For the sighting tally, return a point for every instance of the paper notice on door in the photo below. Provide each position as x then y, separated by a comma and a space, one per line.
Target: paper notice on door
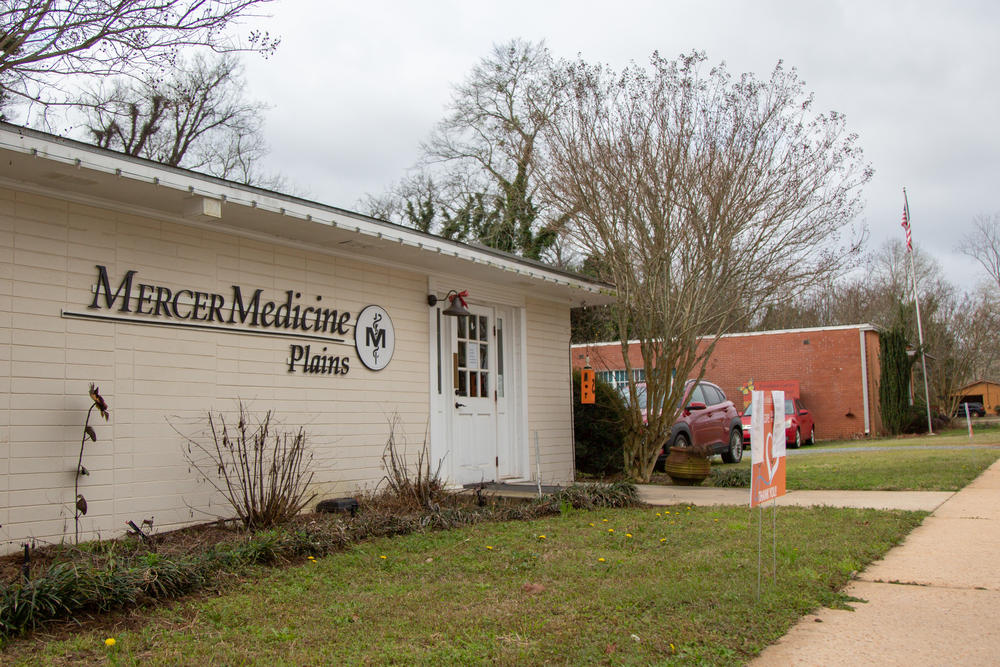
472, 356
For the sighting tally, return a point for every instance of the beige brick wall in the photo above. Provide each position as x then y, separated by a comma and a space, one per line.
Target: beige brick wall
158, 379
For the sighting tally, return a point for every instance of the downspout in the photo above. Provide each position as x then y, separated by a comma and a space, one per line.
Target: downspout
864, 381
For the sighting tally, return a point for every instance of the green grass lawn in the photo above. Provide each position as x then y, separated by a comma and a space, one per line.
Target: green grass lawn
665, 585
983, 433
904, 465
895, 470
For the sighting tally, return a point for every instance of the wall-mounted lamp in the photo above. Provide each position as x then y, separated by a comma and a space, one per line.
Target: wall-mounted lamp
457, 307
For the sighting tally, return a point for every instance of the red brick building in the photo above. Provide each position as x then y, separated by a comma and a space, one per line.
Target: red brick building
837, 369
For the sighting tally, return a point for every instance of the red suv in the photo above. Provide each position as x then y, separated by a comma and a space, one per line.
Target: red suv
708, 418
799, 425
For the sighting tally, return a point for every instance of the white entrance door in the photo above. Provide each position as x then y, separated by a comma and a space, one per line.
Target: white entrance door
505, 393
474, 422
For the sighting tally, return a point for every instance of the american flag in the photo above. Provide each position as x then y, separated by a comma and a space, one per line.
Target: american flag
906, 226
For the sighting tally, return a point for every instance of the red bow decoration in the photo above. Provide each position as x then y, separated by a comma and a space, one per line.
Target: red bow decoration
460, 296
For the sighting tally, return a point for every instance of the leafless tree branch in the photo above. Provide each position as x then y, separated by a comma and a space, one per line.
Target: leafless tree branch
702, 197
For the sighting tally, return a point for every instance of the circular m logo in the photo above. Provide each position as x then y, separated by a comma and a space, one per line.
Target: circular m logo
374, 337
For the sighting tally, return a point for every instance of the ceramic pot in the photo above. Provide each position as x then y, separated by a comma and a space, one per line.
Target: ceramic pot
686, 468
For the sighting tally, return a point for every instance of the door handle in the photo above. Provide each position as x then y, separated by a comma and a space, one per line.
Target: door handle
459, 405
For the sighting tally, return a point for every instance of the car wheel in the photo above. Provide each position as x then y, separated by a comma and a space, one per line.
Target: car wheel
798, 439
812, 436
681, 441
735, 452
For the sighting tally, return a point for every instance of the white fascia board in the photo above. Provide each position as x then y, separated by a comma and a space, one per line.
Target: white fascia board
71, 152
842, 327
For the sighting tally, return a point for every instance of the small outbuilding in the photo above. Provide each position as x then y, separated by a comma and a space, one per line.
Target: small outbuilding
178, 293
986, 392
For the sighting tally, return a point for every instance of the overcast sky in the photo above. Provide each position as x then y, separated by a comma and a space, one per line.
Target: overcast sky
355, 87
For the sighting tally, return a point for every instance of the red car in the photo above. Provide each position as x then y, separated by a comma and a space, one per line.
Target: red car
710, 418
798, 422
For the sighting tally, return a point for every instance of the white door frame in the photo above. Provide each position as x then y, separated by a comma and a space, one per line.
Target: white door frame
442, 400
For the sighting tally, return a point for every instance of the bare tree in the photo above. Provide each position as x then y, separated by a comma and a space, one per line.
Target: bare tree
198, 118
870, 294
484, 157
704, 197
961, 338
983, 244
959, 329
45, 42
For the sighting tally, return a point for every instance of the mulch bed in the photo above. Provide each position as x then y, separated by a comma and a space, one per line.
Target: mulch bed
171, 543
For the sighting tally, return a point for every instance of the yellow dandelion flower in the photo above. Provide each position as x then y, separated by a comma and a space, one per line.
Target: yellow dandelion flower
382, 557
658, 514
663, 539
541, 537
604, 520
591, 523
716, 521
600, 560
611, 530
489, 547
628, 534
110, 641
668, 512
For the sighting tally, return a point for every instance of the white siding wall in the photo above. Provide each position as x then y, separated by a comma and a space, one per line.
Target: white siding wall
154, 377
550, 411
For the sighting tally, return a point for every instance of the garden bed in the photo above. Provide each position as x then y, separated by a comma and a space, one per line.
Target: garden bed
65, 581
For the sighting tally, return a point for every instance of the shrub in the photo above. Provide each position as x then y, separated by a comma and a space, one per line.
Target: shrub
595, 496
599, 429
261, 473
731, 477
894, 380
916, 420
420, 488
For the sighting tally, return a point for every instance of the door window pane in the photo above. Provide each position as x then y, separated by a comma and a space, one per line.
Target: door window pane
472, 350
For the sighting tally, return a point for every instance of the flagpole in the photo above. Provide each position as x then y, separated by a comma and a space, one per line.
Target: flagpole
916, 301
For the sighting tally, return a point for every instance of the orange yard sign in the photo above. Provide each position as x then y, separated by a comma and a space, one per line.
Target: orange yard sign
587, 386
767, 446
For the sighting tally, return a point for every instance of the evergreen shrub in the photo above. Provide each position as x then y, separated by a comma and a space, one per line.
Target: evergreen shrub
599, 429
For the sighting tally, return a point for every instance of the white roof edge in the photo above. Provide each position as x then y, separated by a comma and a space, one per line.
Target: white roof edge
70, 151
839, 327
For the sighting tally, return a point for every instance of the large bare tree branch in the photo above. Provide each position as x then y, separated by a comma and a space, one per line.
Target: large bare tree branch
703, 197
983, 245
197, 118
485, 157
44, 41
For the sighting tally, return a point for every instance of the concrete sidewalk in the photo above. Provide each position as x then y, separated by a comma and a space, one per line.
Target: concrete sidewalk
934, 600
